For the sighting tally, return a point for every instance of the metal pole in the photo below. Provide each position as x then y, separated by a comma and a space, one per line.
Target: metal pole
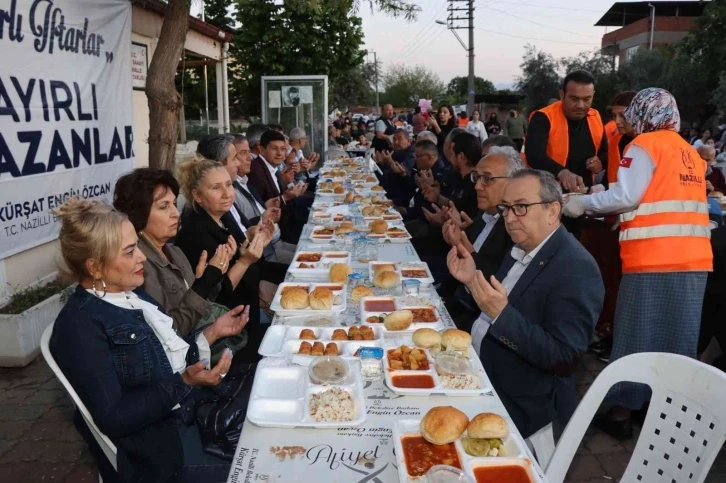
470, 98
652, 24
206, 85
378, 101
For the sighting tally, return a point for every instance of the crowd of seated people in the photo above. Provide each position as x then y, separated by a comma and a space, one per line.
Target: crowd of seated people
168, 300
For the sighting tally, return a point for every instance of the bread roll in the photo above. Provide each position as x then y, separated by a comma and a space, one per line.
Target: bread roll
488, 426
318, 349
379, 226
359, 292
386, 279
349, 197
344, 228
427, 339
367, 210
339, 272
378, 211
305, 348
307, 334
331, 349
339, 334
321, 299
357, 198
383, 267
398, 320
443, 425
295, 298
338, 190
456, 340
377, 188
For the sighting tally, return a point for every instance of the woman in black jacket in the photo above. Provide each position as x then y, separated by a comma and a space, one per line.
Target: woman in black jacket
207, 222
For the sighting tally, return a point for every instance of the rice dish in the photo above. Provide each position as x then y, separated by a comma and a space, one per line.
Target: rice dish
460, 381
334, 404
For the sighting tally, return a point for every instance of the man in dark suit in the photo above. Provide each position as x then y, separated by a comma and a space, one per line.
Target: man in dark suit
537, 322
486, 238
265, 177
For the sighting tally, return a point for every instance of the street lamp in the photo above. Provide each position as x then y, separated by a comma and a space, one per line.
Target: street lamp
470, 52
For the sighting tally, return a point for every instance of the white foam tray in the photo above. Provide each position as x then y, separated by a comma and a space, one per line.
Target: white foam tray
337, 308
280, 397
438, 325
515, 453
331, 238
322, 268
425, 281
438, 389
284, 341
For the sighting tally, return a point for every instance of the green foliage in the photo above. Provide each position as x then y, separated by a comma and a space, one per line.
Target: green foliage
539, 80
29, 297
218, 13
458, 88
296, 38
706, 43
405, 85
355, 87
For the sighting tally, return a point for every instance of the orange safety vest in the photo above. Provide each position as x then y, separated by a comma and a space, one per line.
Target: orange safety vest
558, 143
614, 154
669, 230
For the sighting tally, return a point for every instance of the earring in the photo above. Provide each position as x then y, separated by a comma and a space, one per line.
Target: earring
93, 287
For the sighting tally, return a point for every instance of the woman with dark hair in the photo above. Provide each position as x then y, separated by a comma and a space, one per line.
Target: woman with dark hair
442, 124
492, 125
148, 198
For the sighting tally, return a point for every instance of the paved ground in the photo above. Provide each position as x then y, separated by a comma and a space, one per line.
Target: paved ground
39, 444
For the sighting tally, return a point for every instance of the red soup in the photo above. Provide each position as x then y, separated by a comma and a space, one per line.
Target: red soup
385, 305
421, 455
497, 474
416, 381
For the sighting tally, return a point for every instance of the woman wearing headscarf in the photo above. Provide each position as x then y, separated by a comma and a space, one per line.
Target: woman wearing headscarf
664, 245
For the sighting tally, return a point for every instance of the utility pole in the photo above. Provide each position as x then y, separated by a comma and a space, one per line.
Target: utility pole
453, 23
378, 101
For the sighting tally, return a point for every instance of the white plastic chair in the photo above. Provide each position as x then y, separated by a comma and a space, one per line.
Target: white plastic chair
109, 449
683, 430
543, 444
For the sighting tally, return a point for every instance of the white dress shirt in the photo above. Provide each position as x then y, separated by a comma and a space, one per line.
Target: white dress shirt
490, 221
521, 261
260, 209
634, 175
174, 346
273, 173
238, 219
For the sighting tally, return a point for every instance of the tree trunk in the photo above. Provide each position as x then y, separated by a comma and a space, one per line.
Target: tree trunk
164, 100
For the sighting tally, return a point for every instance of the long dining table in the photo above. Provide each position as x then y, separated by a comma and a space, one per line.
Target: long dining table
360, 454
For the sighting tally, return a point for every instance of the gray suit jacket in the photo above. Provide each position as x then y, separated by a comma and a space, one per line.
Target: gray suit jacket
534, 347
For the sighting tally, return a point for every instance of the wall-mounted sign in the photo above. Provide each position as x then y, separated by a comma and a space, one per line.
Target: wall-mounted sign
139, 65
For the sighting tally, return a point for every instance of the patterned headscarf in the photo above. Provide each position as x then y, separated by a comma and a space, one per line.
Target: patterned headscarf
653, 109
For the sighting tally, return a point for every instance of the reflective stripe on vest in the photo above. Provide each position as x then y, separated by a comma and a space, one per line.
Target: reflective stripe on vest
661, 231
674, 206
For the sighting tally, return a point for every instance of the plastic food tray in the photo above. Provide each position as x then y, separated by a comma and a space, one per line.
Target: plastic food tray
477, 368
322, 268
425, 281
316, 238
514, 453
281, 397
404, 237
284, 341
337, 308
364, 314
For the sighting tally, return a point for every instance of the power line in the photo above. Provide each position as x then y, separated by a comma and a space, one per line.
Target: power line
543, 25
535, 38
424, 29
553, 7
426, 43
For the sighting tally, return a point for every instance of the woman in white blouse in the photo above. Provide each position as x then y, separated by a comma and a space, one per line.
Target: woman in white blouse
124, 359
476, 127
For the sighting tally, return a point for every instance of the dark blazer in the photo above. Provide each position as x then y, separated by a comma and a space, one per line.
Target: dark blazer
261, 179
117, 365
534, 346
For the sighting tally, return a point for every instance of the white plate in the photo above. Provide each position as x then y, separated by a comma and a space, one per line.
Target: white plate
364, 314
321, 269
337, 308
284, 341
281, 394
478, 371
513, 446
332, 238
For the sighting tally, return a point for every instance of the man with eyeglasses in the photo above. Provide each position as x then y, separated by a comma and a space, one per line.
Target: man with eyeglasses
487, 238
539, 311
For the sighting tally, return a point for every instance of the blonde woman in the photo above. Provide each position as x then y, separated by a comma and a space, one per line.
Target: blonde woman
122, 356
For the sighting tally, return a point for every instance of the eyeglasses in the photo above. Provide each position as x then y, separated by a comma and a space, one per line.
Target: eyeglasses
484, 178
520, 209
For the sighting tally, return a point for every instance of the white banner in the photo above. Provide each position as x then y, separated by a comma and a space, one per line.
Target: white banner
66, 111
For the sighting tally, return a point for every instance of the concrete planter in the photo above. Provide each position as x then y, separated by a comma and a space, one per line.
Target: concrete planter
20, 333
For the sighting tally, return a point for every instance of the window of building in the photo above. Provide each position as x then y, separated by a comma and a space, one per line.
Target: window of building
630, 52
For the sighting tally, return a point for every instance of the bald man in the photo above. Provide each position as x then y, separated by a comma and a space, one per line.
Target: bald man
384, 130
